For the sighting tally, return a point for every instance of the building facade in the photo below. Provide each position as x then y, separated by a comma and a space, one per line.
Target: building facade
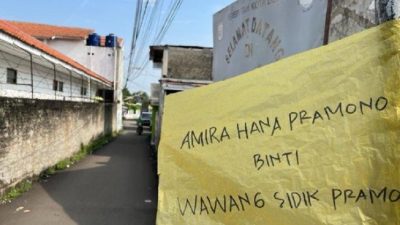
183, 62
51, 101
252, 33
41, 61
31, 69
182, 68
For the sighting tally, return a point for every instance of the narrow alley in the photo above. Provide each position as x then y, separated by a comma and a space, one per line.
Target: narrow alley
214, 112
115, 185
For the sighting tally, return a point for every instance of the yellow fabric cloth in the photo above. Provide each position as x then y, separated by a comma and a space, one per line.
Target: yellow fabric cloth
311, 139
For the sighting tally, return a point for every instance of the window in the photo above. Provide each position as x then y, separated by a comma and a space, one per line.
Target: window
58, 86
83, 91
11, 76
55, 85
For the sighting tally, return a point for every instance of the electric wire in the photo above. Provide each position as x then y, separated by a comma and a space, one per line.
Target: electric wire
155, 25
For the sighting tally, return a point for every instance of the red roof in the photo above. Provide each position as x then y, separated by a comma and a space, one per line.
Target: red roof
8, 28
45, 31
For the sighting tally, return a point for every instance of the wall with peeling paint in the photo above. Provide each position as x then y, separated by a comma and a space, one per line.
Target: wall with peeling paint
352, 16
36, 134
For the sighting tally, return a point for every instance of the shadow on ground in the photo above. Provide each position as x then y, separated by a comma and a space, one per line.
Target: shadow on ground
116, 185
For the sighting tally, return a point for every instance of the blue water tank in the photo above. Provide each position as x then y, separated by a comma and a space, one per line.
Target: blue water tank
111, 41
93, 40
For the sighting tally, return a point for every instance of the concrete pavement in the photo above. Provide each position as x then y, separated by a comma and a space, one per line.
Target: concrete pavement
116, 185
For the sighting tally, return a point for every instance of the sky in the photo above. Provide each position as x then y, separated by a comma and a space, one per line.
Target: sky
192, 24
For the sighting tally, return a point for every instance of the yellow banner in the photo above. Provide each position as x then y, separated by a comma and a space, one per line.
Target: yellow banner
312, 139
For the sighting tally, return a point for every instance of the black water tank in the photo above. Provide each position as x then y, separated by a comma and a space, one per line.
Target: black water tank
93, 40
111, 41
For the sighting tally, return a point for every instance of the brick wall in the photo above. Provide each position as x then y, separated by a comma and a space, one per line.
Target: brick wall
36, 134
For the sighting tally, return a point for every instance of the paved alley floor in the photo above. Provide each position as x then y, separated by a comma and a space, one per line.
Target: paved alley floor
115, 185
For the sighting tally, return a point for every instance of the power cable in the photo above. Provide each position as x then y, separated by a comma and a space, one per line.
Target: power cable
140, 40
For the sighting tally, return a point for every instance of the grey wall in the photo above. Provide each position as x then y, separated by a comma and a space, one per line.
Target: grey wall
352, 16
189, 63
349, 17
36, 134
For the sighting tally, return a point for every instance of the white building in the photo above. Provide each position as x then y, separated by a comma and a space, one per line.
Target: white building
51, 62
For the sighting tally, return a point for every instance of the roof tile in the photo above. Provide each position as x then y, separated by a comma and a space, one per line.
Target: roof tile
10, 29
45, 31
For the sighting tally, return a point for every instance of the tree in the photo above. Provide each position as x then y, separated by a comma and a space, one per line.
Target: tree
126, 93
143, 98
140, 96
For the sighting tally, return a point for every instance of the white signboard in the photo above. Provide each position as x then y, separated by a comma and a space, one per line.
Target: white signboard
252, 33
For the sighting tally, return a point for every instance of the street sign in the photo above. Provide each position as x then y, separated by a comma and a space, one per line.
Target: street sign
251, 33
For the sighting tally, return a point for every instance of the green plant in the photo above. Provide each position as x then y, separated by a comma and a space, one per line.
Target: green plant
17, 190
84, 150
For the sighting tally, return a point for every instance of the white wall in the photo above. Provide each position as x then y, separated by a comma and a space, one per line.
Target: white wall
42, 81
118, 85
98, 59
105, 61
71, 48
